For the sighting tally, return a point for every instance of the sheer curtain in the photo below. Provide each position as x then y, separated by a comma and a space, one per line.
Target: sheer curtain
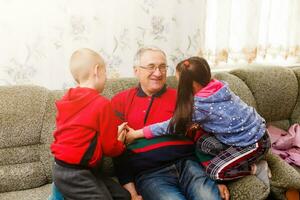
247, 31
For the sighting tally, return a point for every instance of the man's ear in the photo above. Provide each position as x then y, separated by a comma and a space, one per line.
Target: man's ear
135, 70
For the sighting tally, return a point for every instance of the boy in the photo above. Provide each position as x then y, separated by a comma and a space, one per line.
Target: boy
86, 128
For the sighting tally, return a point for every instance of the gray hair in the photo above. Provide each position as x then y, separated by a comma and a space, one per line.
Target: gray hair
141, 51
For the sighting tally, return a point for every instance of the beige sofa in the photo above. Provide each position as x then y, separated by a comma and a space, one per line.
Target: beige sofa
27, 115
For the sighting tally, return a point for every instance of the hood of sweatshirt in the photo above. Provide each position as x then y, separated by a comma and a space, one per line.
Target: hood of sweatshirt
74, 101
215, 91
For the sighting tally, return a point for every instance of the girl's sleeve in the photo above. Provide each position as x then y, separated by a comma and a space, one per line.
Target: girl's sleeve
157, 129
161, 128
199, 115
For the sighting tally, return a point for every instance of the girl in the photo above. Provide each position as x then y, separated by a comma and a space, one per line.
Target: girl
234, 135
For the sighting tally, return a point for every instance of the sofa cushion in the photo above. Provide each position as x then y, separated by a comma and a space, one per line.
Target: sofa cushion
40, 193
21, 176
238, 87
284, 176
283, 124
22, 110
18, 155
275, 90
248, 187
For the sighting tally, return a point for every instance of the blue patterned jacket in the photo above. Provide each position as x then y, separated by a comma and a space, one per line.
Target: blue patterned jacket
220, 112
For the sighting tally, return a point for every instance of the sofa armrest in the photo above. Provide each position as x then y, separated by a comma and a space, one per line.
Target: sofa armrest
284, 176
248, 187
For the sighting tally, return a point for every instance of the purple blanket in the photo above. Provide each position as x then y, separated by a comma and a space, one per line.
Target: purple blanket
286, 144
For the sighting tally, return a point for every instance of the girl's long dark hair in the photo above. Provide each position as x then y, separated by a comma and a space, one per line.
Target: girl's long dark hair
192, 69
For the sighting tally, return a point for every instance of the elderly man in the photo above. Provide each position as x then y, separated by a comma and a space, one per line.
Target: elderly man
163, 167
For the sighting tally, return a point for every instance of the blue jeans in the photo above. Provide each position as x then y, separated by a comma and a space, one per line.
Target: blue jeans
184, 180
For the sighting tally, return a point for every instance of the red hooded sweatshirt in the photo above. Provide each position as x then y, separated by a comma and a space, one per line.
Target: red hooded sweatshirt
86, 128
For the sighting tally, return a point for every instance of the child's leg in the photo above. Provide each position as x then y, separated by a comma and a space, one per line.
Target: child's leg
79, 184
261, 171
207, 147
209, 144
116, 190
235, 162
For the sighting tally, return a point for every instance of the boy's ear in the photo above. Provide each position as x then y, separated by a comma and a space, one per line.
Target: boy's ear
96, 69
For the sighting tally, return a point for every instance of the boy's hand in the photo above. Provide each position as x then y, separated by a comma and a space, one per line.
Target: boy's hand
122, 131
122, 136
122, 127
224, 192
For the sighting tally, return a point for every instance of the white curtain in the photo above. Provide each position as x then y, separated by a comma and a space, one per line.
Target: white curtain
246, 31
37, 37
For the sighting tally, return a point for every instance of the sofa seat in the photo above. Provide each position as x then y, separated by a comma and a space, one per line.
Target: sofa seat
40, 193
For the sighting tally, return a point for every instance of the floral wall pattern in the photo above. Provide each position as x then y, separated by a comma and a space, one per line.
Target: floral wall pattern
37, 37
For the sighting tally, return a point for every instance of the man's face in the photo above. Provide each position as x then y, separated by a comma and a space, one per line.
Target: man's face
152, 81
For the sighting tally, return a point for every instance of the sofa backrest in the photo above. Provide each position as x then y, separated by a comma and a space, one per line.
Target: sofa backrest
27, 118
273, 91
46, 138
295, 117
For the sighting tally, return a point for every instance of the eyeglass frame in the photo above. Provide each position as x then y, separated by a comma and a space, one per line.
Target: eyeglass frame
152, 68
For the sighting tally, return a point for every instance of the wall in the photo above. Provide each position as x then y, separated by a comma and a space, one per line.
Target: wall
37, 37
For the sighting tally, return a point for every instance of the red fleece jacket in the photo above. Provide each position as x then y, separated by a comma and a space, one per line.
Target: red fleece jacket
86, 128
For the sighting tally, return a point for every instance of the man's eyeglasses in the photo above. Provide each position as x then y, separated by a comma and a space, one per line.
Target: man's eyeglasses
152, 68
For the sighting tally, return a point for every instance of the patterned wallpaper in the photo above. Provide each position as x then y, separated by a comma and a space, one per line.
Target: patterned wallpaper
37, 37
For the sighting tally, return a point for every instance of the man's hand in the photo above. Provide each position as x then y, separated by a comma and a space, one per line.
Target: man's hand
130, 187
136, 197
133, 135
224, 192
